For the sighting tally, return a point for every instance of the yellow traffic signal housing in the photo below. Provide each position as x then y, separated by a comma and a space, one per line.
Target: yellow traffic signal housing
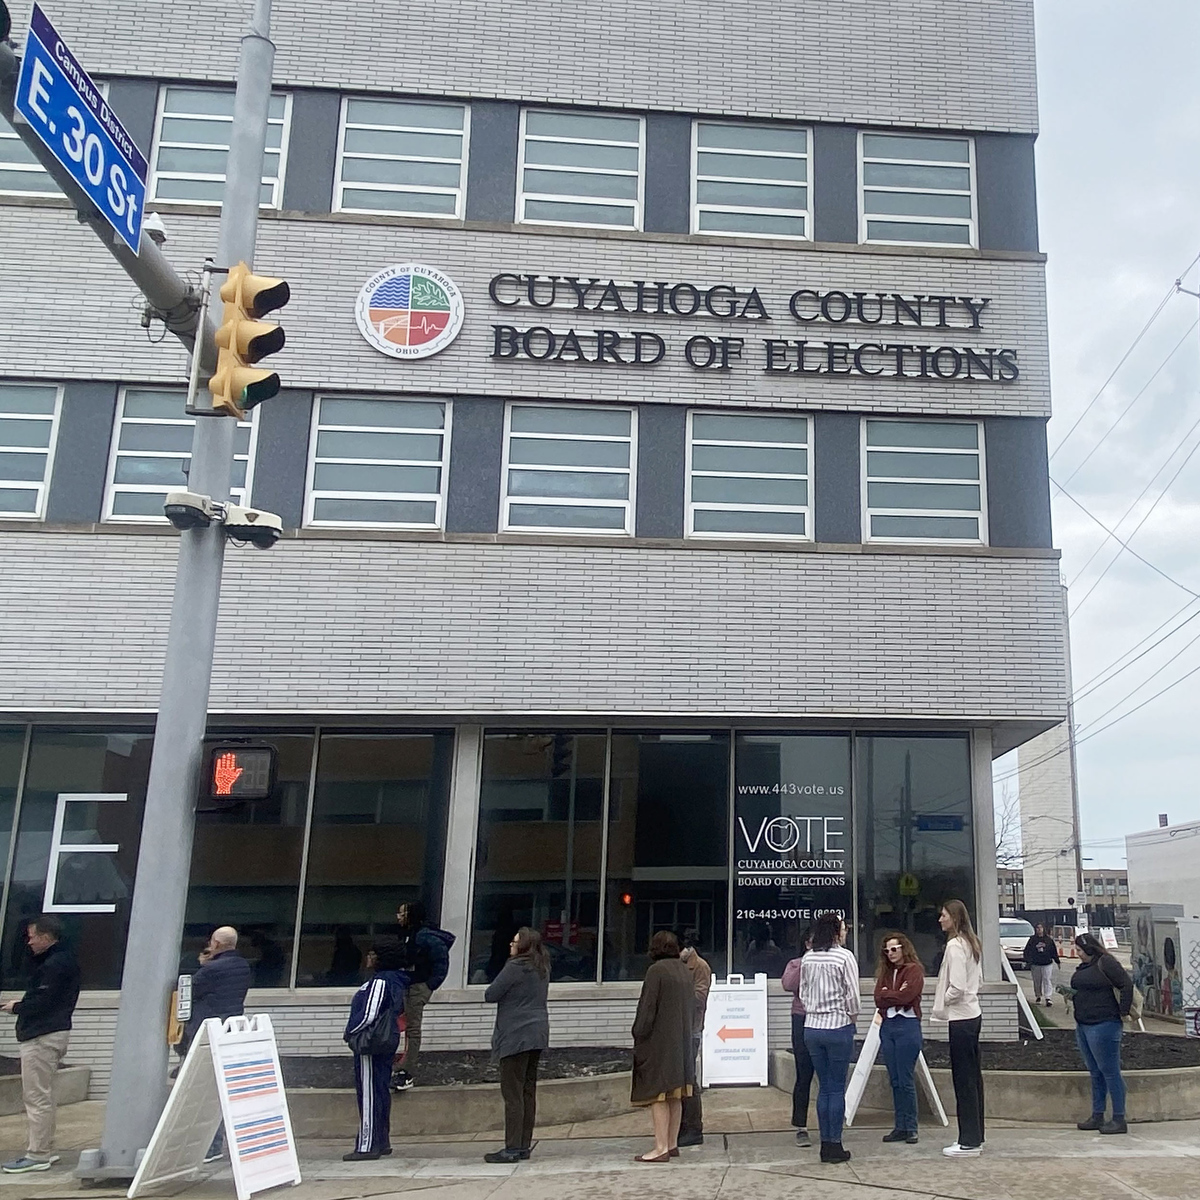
243, 340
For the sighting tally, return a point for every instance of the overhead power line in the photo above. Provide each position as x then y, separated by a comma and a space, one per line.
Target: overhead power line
1140, 392
1133, 346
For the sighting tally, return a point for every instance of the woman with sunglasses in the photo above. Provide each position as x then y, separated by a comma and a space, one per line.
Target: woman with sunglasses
899, 981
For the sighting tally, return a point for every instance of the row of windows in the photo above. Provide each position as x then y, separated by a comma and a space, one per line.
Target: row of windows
566, 467
409, 157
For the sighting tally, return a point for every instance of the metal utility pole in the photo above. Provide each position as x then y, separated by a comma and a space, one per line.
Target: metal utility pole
138, 1090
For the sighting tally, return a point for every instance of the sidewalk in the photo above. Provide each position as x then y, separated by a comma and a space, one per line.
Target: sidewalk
582, 1162
1060, 1013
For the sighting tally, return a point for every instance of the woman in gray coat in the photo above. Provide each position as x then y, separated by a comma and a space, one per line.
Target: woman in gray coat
522, 1032
664, 1066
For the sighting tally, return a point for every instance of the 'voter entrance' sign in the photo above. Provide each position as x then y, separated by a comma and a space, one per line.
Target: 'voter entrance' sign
734, 1048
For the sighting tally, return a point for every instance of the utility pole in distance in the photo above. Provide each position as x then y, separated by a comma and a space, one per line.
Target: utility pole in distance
138, 1090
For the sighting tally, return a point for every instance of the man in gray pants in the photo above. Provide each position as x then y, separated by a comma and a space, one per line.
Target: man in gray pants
43, 1030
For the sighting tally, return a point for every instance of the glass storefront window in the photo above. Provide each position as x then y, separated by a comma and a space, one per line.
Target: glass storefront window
378, 840
246, 867
792, 844
668, 862
915, 839
65, 763
538, 857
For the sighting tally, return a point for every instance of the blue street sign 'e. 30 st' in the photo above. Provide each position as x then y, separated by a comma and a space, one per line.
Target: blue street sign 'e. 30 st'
62, 105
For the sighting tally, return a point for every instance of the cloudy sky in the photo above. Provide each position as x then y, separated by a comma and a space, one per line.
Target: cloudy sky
1118, 162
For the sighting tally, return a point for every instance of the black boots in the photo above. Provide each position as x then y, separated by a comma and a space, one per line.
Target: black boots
1116, 1125
833, 1152
1093, 1122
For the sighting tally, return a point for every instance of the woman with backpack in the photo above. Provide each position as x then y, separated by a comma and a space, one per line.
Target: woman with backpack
522, 1032
373, 1034
1102, 994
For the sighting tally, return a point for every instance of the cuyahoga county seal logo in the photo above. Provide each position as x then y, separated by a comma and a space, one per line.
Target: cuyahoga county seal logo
409, 311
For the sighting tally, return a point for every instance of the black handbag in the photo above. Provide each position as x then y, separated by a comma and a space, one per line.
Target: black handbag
381, 1036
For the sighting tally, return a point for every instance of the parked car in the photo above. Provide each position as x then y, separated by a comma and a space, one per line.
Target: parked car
1014, 933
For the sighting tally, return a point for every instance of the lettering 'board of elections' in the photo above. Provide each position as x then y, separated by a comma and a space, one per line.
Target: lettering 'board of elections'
734, 1046
231, 1073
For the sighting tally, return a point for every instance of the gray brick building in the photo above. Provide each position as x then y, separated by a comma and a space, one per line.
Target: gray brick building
695, 581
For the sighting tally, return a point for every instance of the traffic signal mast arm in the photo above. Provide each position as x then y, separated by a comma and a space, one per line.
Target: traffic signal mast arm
243, 340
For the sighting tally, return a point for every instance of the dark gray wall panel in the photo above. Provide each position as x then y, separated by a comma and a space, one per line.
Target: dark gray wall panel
1007, 193
85, 427
837, 496
135, 101
281, 456
476, 448
835, 183
662, 446
1018, 482
668, 173
313, 156
492, 161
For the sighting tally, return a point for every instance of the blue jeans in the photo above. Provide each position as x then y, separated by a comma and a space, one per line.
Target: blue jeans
900, 1041
830, 1051
1100, 1046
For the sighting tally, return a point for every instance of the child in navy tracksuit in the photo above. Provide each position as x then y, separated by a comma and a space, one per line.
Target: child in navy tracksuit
372, 1027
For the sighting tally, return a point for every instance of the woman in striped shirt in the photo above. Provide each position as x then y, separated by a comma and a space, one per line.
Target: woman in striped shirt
829, 994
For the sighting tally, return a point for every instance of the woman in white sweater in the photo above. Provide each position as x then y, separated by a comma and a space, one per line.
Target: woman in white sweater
957, 1002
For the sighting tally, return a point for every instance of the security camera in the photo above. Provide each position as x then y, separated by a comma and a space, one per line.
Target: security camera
153, 225
261, 529
189, 510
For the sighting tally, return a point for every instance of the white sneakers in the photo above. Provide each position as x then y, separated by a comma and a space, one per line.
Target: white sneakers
957, 1151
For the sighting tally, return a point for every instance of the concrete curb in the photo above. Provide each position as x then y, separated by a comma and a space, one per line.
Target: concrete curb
475, 1108
70, 1086
1044, 1097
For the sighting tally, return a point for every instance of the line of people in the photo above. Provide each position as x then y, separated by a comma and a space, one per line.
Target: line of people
825, 1005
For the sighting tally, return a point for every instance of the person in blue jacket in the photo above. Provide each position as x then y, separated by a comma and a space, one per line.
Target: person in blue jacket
425, 956
373, 1034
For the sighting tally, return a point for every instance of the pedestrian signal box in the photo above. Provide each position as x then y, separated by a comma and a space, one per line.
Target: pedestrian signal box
240, 772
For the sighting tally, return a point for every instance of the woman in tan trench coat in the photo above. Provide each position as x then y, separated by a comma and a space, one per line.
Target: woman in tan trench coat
664, 1070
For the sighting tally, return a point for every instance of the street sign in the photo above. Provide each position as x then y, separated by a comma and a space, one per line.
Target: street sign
910, 885
734, 1046
59, 101
938, 823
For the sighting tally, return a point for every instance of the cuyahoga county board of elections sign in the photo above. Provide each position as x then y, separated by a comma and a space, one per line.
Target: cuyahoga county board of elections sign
409, 311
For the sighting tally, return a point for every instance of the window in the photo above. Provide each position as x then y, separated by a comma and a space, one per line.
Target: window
378, 462
538, 850
568, 469
401, 156
192, 146
28, 424
924, 481
581, 169
917, 189
20, 173
748, 476
377, 840
151, 453
914, 838
750, 180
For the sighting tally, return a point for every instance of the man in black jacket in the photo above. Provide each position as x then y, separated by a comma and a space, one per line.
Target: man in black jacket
425, 958
43, 1030
1041, 956
218, 990
219, 987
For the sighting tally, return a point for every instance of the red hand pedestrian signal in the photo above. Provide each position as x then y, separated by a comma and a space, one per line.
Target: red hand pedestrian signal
226, 773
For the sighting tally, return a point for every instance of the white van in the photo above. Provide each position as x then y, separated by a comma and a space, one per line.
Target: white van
1014, 933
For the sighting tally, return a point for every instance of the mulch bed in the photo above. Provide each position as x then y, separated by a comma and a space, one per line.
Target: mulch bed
1058, 1052
442, 1067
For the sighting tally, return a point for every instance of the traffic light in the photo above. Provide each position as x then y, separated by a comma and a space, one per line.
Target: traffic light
243, 340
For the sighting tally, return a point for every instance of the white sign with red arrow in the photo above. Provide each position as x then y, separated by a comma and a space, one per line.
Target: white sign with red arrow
734, 1046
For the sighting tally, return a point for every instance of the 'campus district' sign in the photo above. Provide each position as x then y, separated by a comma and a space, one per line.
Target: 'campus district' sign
60, 102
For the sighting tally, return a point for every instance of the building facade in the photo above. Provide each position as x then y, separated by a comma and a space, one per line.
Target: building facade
663, 461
